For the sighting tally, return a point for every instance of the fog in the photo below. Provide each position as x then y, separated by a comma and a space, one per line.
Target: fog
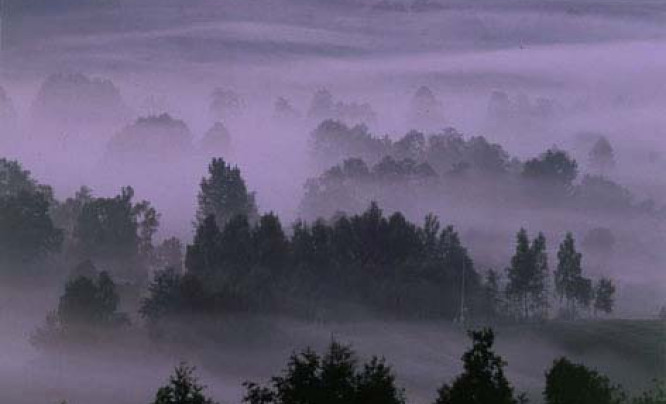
145, 93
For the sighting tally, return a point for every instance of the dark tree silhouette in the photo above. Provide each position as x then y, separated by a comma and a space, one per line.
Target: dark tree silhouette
335, 378
27, 232
570, 383
554, 167
224, 195
87, 309
483, 380
527, 276
183, 388
115, 231
604, 292
570, 284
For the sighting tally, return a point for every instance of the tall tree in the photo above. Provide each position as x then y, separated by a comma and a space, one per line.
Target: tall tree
224, 195
203, 256
27, 232
570, 285
604, 299
483, 380
528, 275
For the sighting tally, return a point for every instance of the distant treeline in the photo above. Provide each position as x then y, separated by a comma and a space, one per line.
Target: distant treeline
419, 167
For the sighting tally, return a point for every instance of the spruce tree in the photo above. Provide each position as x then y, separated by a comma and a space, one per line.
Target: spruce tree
483, 380
224, 195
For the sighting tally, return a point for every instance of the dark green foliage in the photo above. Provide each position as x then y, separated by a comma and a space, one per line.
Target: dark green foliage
570, 284
87, 309
385, 263
553, 167
271, 244
527, 277
172, 294
604, 292
14, 180
183, 388
570, 383
493, 303
113, 231
27, 232
334, 141
204, 254
105, 227
169, 254
335, 378
87, 302
224, 195
482, 380
460, 169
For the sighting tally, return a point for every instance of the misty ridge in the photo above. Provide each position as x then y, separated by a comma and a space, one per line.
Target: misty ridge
290, 201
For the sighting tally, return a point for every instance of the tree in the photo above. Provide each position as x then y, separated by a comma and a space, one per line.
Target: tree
570, 285
87, 309
492, 299
151, 142
570, 383
528, 274
224, 195
89, 302
554, 167
483, 380
183, 388
601, 156
203, 256
334, 378
604, 292
169, 254
172, 294
271, 244
14, 179
27, 232
115, 231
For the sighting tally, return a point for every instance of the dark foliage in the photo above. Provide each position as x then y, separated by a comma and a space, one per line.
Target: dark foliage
27, 232
183, 388
115, 232
334, 378
570, 284
527, 275
87, 311
483, 380
224, 194
385, 263
570, 383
